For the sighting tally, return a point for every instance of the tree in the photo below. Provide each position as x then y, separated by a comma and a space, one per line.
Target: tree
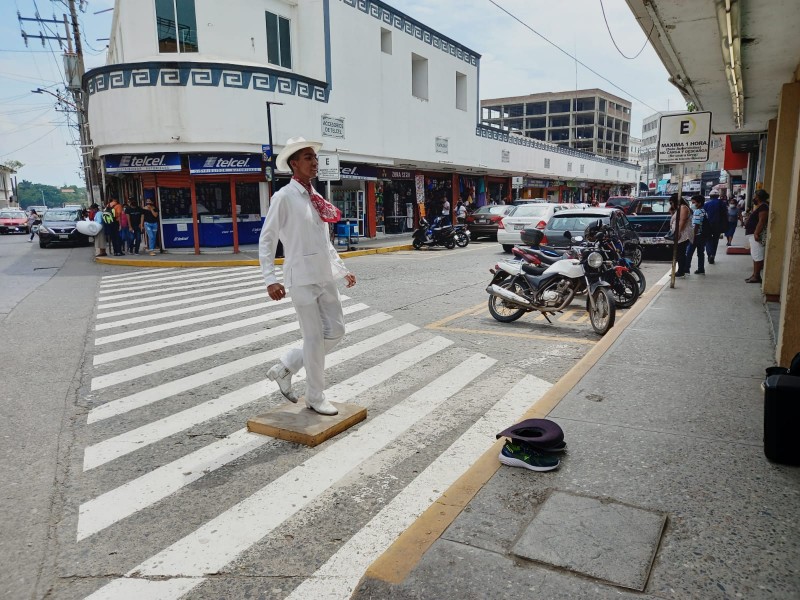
14, 165
39, 194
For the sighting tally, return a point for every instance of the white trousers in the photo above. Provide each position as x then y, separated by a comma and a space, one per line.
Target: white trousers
319, 312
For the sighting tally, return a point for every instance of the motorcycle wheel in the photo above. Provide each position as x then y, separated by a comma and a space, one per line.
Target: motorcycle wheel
636, 256
503, 311
450, 244
462, 241
604, 312
639, 277
417, 243
625, 290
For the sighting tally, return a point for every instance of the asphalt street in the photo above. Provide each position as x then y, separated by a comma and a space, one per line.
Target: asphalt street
132, 474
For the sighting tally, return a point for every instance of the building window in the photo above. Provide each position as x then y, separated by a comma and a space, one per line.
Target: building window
279, 46
419, 76
386, 41
537, 108
582, 168
569, 167
177, 26
461, 91
546, 163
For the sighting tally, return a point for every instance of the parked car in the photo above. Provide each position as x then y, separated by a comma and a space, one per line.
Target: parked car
526, 215
651, 219
58, 226
40, 210
485, 221
575, 220
621, 202
13, 220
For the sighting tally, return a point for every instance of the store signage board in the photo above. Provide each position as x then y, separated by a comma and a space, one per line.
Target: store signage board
266, 152
442, 145
328, 168
333, 126
363, 172
221, 164
505, 156
142, 163
516, 182
683, 138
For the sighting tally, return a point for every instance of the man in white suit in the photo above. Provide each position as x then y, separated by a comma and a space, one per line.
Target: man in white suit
299, 217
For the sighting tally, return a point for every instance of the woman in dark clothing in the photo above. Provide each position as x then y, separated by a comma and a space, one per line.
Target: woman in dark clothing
756, 231
681, 226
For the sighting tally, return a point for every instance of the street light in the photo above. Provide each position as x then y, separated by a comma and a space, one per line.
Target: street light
57, 96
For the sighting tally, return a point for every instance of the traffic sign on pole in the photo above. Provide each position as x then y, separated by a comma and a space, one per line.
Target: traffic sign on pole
683, 138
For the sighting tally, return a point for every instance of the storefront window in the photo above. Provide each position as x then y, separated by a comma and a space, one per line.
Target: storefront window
247, 197
348, 196
213, 199
176, 203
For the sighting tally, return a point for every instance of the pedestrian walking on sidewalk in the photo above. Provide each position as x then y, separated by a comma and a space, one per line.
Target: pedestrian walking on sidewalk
715, 208
733, 220
702, 230
134, 212
681, 226
100, 241
756, 231
299, 217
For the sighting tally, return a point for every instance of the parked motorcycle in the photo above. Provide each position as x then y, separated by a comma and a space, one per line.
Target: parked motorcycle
624, 286
549, 289
440, 236
462, 236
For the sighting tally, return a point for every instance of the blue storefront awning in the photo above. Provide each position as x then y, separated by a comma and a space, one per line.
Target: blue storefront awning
224, 164
142, 163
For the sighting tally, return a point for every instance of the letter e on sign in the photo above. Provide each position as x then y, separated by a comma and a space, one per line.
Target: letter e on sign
685, 127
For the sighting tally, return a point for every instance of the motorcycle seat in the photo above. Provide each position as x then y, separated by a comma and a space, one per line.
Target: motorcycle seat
532, 269
536, 281
547, 258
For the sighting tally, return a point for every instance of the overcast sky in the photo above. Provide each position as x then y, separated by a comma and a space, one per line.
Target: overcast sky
514, 62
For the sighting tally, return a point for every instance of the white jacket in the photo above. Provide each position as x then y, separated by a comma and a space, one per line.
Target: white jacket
309, 255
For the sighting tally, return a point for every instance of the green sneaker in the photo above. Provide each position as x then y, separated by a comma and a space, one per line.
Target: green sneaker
521, 455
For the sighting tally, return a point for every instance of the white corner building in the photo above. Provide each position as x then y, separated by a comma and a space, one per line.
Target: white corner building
179, 114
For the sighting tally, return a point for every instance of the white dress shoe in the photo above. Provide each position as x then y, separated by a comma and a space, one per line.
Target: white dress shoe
283, 377
323, 407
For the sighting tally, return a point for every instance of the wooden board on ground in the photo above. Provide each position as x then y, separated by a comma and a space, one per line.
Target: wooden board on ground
296, 423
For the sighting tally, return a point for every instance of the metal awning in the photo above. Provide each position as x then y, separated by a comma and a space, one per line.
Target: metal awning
690, 38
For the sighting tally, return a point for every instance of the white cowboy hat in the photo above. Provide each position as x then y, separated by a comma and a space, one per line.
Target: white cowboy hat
293, 145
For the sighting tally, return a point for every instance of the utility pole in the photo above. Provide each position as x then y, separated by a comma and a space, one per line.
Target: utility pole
74, 70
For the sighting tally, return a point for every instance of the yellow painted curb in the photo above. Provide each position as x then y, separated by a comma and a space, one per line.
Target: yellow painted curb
233, 262
394, 565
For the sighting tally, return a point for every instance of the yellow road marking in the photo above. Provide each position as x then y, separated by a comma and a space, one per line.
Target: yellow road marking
395, 564
441, 322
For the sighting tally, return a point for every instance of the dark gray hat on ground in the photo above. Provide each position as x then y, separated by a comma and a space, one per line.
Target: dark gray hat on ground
535, 432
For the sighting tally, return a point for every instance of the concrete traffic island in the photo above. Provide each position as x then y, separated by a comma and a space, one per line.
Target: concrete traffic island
296, 423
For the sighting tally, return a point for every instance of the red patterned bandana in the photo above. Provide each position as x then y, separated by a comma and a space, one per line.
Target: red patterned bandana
327, 211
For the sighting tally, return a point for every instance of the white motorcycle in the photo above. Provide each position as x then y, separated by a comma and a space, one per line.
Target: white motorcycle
519, 288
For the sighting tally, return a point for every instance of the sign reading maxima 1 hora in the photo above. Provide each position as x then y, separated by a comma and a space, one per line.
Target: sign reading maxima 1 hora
684, 138
328, 167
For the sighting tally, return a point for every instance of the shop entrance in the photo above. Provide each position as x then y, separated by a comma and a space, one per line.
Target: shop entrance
349, 198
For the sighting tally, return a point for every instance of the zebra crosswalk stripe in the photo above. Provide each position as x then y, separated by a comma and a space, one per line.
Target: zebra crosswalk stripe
151, 290
113, 506
170, 362
337, 578
144, 273
184, 384
256, 516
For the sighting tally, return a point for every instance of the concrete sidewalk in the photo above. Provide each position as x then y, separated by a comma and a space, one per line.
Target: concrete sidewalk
664, 491
248, 255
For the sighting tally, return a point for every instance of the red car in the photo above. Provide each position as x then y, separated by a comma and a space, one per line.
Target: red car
621, 202
13, 221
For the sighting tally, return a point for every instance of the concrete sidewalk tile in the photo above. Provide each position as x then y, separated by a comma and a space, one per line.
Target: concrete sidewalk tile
601, 539
452, 570
689, 403
682, 351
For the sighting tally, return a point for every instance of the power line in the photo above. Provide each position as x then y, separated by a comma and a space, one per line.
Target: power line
31, 143
613, 41
560, 49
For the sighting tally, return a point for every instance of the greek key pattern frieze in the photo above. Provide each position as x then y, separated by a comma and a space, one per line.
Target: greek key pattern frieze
125, 76
399, 21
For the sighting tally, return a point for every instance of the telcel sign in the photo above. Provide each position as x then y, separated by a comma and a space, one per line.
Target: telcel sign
138, 163
684, 138
200, 164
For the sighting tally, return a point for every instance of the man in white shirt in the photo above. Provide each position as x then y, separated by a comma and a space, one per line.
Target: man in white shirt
299, 217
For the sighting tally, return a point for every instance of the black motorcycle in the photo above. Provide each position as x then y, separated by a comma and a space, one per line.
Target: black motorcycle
440, 235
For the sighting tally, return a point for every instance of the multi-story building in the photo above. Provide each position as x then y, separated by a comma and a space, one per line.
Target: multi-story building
590, 120
178, 115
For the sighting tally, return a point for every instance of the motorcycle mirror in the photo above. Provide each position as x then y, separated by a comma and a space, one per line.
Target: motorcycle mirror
567, 234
